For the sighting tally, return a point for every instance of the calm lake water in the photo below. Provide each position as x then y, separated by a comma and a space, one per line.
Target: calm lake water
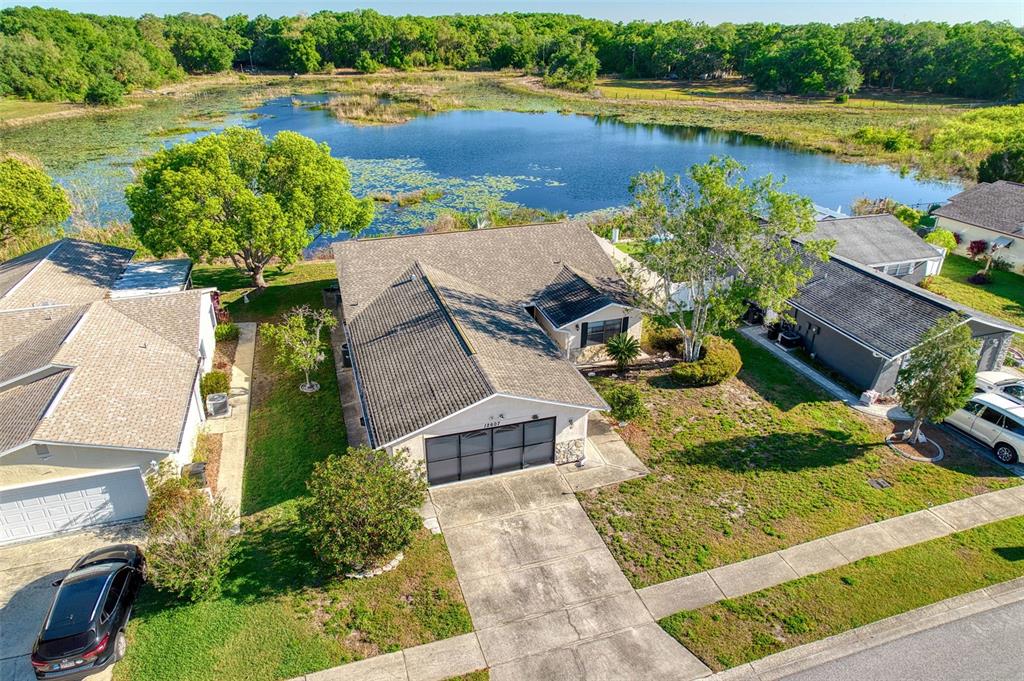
563, 163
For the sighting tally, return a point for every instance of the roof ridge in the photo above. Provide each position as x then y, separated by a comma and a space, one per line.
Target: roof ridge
395, 237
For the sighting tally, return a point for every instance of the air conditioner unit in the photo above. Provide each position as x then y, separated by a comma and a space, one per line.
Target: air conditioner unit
217, 405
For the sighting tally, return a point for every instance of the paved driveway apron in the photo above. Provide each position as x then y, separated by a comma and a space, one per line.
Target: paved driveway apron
547, 599
26, 575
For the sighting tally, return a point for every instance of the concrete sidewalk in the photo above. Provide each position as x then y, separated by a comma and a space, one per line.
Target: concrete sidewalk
794, 660
235, 427
772, 569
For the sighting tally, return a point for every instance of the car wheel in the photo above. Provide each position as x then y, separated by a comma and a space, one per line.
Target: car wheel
120, 646
1005, 453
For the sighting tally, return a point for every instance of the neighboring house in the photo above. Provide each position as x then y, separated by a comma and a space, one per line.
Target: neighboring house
462, 343
100, 361
992, 212
884, 243
863, 323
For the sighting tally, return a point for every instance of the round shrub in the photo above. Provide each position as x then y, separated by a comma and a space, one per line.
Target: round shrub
214, 382
363, 508
662, 339
626, 402
226, 331
190, 540
719, 361
104, 92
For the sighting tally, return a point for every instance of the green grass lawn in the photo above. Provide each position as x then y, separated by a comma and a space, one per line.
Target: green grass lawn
757, 464
280, 616
735, 631
300, 284
1003, 298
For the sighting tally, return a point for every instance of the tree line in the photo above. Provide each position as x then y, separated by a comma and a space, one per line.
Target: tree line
56, 55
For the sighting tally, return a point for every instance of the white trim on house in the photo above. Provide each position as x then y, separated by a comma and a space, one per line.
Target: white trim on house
626, 309
50, 368
62, 443
486, 399
101, 471
60, 393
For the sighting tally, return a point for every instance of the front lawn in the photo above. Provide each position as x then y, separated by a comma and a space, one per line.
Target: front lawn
299, 284
757, 464
735, 631
280, 616
1003, 298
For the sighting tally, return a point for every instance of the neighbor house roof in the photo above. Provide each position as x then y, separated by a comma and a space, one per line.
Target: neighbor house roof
153, 276
438, 322
878, 311
874, 240
998, 206
69, 271
113, 373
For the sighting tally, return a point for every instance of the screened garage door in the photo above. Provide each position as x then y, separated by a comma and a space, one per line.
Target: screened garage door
477, 453
38, 510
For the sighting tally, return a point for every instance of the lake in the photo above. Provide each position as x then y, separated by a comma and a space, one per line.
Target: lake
562, 163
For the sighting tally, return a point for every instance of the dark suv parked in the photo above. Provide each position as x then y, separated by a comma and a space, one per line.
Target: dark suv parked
84, 630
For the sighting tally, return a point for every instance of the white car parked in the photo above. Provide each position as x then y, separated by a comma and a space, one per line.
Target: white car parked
996, 421
1003, 384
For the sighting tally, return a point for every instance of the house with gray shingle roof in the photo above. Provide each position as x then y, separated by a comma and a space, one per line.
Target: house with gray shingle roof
992, 212
95, 389
464, 345
863, 323
882, 242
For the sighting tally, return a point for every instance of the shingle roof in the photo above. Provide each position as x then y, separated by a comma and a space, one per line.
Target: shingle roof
570, 297
438, 322
22, 407
881, 312
998, 206
874, 240
411, 361
69, 271
133, 361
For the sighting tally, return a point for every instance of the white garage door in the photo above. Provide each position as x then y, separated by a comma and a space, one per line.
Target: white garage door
71, 503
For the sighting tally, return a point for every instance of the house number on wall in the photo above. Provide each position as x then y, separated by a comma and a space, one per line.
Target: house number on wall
492, 424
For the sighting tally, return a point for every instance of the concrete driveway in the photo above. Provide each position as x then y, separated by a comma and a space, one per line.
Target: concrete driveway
547, 599
26, 573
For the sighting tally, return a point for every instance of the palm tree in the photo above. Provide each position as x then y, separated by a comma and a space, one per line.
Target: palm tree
623, 348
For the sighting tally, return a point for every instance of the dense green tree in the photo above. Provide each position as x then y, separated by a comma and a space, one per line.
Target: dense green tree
202, 46
1003, 164
938, 376
238, 195
812, 60
728, 241
573, 66
30, 202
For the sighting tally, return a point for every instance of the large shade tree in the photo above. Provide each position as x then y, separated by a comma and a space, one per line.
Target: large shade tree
938, 376
30, 202
241, 196
727, 241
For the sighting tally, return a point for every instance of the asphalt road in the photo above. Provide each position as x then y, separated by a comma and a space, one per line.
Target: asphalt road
989, 645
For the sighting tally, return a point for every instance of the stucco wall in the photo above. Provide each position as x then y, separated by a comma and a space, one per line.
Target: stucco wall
835, 350
207, 323
968, 233
570, 422
596, 353
194, 420
61, 461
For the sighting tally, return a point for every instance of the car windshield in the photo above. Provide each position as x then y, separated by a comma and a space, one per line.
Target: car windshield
76, 601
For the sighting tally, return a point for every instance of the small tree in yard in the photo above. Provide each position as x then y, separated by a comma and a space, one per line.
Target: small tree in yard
938, 376
624, 349
241, 196
363, 507
298, 343
190, 540
730, 242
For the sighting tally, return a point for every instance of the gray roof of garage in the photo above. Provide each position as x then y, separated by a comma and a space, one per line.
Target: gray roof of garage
874, 240
431, 344
881, 312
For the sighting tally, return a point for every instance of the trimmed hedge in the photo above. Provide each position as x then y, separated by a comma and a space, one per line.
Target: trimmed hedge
214, 382
626, 402
720, 361
661, 340
226, 331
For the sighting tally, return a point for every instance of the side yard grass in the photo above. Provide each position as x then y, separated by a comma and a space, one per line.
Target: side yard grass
759, 463
280, 615
735, 631
1003, 298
